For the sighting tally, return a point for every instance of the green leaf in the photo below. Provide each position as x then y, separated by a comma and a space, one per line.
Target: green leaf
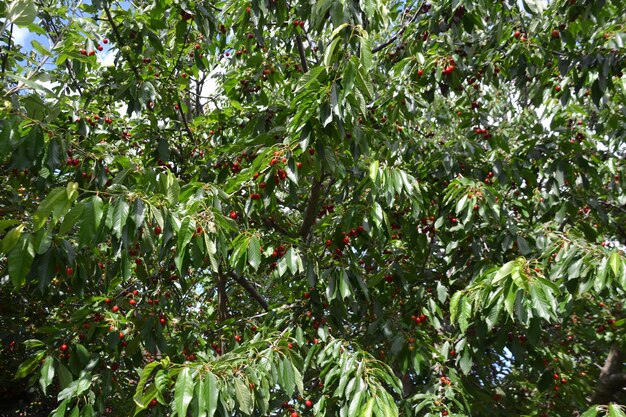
288, 376
70, 219
504, 272
309, 78
454, 305
20, 259
540, 302
591, 412
328, 54
616, 263
212, 394
55, 201
366, 52
183, 391
367, 410
143, 380
244, 397
120, 215
11, 238
29, 365
254, 252
534, 6
47, 373
615, 410
21, 12
60, 410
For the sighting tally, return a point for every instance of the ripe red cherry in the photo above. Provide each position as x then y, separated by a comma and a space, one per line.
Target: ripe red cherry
290, 345
311, 151
105, 41
306, 295
556, 376
162, 320
153, 403
197, 46
454, 220
100, 48
308, 403
132, 302
517, 34
298, 165
233, 215
107, 300
184, 75
420, 73
557, 88
122, 335
555, 34
115, 309
63, 347
199, 230
238, 338
294, 414
157, 230
69, 271
346, 240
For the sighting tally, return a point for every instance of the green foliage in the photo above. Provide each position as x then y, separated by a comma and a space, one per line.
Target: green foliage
330, 208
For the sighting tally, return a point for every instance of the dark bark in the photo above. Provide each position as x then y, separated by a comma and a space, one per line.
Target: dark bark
222, 298
612, 378
247, 285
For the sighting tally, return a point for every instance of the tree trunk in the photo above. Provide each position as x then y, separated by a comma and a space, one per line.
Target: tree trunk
612, 378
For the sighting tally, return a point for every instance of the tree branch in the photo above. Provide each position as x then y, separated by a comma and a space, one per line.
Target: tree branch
400, 32
311, 209
305, 66
247, 285
222, 298
611, 379
118, 39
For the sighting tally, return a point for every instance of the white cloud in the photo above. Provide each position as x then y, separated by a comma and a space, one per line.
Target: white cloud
22, 36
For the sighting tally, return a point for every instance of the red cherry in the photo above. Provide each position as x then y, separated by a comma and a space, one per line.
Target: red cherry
306, 295
132, 302
346, 240
199, 230
153, 403
298, 165
233, 215
517, 34
105, 41
122, 335
556, 376
63, 347
308, 403
197, 46
557, 88
100, 48
555, 34
115, 309
420, 73
311, 151
107, 300
184, 75
162, 320
157, 230
69, 271
294, 414
290, 345
238, 338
